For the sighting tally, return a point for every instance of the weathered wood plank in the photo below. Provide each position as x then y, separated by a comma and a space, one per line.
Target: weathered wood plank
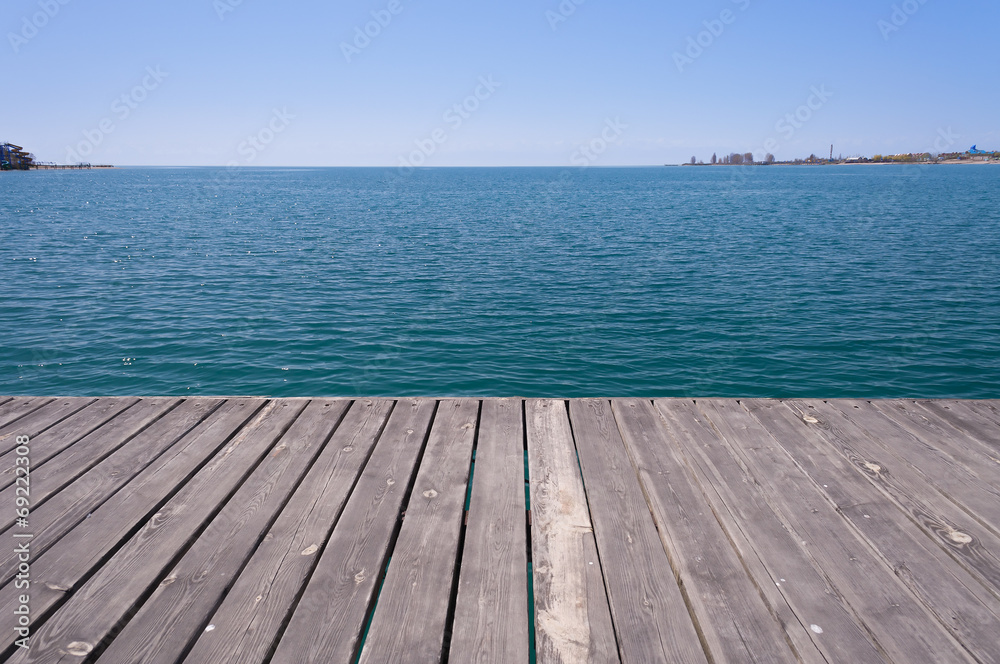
807, 481
948, 503
58, 571
491, 611
178, 609
736, 623
963, 418
105, 602
770, 550
85, 453
253, 614
63, 511
409, 622
651, 618
64, 434
967, 607
975, 458
572, 616
40, 419
18, 407
988, 410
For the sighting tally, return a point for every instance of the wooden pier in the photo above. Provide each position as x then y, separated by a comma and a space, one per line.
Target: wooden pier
213, 530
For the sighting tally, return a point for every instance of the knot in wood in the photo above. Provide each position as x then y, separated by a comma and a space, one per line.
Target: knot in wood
79, 649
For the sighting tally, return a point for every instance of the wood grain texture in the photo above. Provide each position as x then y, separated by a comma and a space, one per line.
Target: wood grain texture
86, 453
572, 616
975, 458
491, 608
329, 619
988, 409
651, 617
787, 459
249, 622
104, 604
60, 436
773, 554
972, 421
18, 407
736, 623
57, 573
41, 419
62, 512
961, 604
948, 502
180, 605
248, 530
409, 621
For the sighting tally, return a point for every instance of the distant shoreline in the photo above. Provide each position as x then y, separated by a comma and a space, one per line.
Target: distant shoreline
953, 162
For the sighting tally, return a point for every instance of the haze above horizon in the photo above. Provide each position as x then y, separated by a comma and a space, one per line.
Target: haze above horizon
552, 82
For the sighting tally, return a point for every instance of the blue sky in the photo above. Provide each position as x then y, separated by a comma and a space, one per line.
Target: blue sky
263, 83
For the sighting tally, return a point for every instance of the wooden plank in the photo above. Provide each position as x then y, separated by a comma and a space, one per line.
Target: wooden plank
988, 410
771, 552
249, 621
328, 621
178, 610
34, 423
572, 616
976, 458
54, 440
409, 622
491, 609
651, 618
59, 570
973, 423
787, 456
968, 605
736, 623
63, 511
85, 454
18, 407
106, 601
949, 503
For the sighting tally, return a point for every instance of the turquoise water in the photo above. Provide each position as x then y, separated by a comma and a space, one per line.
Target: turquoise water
779, 281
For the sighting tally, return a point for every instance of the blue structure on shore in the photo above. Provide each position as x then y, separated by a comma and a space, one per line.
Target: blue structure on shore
14, 158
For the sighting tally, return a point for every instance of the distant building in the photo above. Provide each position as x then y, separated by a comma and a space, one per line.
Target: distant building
14, 158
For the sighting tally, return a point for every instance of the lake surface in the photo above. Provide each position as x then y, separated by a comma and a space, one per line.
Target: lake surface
853, 281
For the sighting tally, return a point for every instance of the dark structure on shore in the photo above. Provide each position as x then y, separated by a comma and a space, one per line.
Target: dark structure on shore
14, 158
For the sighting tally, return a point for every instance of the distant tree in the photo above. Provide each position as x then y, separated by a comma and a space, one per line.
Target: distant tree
769, 158
735, 158
693, 161
748, 158
812, 159
714, 158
